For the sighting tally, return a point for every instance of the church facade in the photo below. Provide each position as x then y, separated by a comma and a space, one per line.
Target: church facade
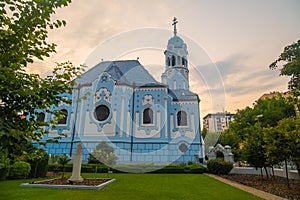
144, 120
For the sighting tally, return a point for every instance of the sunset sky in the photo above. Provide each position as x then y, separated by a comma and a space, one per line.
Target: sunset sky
231, 43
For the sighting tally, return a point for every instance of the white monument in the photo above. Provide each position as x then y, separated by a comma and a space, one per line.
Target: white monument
226, 151
77, 165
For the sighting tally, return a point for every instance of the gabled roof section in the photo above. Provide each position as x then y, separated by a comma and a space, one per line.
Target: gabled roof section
123, 72
183, 95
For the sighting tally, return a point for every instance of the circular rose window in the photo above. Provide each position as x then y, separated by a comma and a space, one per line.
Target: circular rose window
183, 148
101, 112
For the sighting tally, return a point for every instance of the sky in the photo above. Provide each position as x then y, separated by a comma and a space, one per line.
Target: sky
230, 43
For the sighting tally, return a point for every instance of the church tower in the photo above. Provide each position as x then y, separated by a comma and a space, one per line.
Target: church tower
176, 74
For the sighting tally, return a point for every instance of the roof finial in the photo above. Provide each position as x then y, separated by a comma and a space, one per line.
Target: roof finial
174, 24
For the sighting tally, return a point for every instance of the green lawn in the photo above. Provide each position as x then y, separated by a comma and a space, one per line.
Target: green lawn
134, 186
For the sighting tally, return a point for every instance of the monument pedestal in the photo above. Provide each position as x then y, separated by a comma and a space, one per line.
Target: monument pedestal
77, 165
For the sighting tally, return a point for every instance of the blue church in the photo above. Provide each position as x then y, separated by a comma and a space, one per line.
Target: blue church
144, 120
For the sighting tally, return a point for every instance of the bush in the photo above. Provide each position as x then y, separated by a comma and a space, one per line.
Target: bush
138, 168
19, 170
3, 171
38, 161
219, 166
195, 169
4, 166
181, 169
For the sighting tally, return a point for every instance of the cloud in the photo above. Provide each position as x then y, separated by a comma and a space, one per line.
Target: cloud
242, 77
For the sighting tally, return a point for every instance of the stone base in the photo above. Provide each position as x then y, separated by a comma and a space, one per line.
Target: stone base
80, 187
77, 179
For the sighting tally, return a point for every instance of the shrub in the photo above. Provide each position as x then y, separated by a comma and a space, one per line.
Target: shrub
3, 171
195, 169
63, 160
19, 170
38, 160
219, 166
57, 167
190, 163
4, 166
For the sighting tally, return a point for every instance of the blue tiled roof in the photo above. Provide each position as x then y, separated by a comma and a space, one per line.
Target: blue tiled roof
176, 41
183, 95
123, 72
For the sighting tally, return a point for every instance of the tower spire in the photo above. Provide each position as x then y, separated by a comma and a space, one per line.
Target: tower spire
174, 24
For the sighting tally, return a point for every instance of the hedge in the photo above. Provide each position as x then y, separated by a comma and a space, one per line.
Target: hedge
138, 168
219, 166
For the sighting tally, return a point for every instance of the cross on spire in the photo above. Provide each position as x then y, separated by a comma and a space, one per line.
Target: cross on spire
174, 24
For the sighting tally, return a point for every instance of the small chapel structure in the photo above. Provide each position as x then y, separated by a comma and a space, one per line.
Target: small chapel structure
144, 120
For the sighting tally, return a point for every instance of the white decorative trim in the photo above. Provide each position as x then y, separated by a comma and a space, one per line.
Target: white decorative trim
61, 103
166, 117
148, 99
98, 95
122, 116
150, 89
183, 102
128, 123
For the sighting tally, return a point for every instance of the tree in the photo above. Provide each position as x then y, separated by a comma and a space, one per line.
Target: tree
290, 57
229, 137
245, 136
38, 160
204, 132
254, 151
23, 38
104, 154
63, 160
282, 143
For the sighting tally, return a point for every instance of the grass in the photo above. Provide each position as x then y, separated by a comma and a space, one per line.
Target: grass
134, 186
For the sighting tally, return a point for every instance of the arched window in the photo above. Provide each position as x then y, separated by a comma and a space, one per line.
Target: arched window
63, 120
148, 116
168, 61
181, 118
173, 60
40, 117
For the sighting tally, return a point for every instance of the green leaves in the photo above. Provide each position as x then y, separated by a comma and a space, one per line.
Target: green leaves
247, 133
282, 141
23, 33
290, 57
103, 154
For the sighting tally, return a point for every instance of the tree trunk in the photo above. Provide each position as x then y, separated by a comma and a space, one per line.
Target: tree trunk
298, 168
266, 170
63, 172
273, 172
35, 169
287, 173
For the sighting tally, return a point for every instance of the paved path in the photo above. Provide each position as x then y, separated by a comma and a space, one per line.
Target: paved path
251, 190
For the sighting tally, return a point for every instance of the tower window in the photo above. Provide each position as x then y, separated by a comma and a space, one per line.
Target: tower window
148, 116
168, 61
173, 60
63, 120
181, 118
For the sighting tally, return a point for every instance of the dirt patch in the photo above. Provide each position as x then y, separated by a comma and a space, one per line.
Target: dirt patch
274, 185
64, 181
